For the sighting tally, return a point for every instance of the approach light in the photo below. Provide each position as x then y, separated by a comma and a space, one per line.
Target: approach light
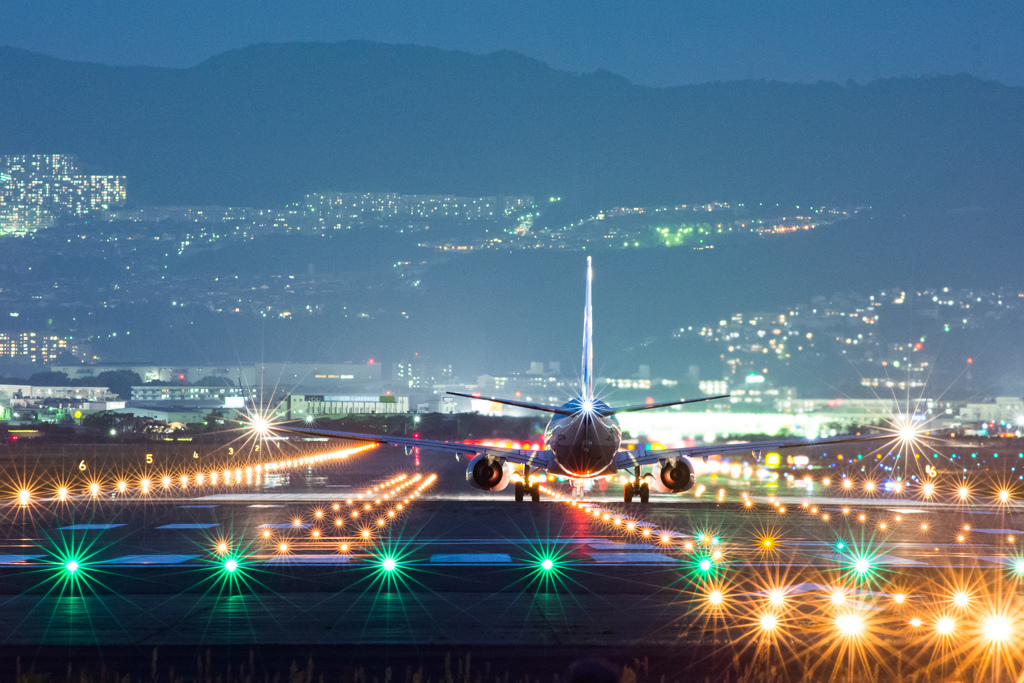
222, 547
996, 629
24, 496
166, 481
945, 626
94, 489
899, 598
388, 564
769, 622
915, 622
715, 597
260, 425
961, 599
1004, 496
907, 432
964, 492
928, 490
283, 547
777, 598
122, 486
230, 566
849, 624
62, 493
71, 566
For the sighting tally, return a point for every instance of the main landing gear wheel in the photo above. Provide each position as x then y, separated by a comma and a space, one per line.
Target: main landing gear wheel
535, 492
519, 491
645, 493
627, 493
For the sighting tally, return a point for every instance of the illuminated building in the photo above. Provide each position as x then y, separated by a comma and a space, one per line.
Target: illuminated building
301, 406
34, 347
38, 189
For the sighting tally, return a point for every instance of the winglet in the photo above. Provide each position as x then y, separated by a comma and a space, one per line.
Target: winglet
588, 334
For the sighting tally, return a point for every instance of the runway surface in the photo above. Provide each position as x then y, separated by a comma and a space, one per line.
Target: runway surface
458, 567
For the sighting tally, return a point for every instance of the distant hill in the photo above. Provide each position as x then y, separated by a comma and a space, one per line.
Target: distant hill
265, 124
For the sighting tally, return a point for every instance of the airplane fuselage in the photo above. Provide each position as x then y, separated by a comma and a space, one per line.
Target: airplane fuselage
583, 444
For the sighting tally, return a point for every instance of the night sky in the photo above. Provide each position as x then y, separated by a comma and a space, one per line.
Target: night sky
655, 42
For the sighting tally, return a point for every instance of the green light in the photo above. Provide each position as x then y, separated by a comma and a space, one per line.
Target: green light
547, 565
714, 540
862, 565
840, 546
1019, 567
389, 564
71, 566
230, 566
705, 565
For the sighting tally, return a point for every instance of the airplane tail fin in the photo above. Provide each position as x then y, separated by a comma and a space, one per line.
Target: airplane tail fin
588, 333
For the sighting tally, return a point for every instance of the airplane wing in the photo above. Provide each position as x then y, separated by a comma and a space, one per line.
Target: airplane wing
652, 406
538, 459
521, 404
559, 410
625, 459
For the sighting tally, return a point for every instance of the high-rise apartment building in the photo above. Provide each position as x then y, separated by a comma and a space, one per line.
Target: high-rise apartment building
38, 189
34, 347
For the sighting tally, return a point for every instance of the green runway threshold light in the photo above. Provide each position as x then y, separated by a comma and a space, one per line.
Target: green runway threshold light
705, 565
862, 565
71, 566
230, 566
389, 564
840, 546
1019, 567
547, 564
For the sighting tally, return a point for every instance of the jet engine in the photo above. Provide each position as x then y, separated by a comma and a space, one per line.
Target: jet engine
488, 473
673, 475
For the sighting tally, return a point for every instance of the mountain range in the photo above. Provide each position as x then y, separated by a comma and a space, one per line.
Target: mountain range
265, 124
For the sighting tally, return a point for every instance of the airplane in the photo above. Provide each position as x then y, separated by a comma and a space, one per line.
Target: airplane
581, 442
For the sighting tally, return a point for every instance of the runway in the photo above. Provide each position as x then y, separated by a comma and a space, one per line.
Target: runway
426, 562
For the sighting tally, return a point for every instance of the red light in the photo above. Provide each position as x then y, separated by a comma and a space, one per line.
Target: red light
970, 360
415, 435
181, 376
918, 346
649, 401
518, 394
387, 393
371, 361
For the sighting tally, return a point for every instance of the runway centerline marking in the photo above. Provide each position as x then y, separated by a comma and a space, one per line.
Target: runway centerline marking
150, 559
471, 558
